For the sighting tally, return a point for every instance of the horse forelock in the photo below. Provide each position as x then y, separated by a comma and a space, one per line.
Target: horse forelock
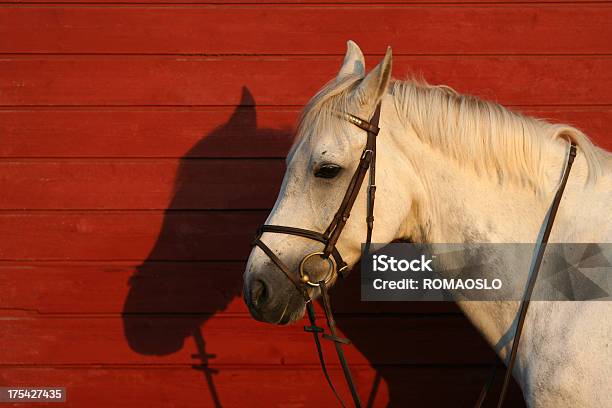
321, 112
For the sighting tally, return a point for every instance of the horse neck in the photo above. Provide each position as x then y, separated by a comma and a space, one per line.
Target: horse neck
457, 205
454, 204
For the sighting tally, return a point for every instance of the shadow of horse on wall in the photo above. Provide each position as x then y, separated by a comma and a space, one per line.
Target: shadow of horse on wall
169, 301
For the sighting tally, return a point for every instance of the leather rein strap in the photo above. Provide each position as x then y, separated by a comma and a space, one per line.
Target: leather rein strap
329, 239
536, 262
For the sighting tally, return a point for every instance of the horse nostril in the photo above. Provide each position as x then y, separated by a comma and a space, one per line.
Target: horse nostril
259, 293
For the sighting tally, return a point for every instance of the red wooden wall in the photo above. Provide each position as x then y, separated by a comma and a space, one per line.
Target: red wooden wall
141, 143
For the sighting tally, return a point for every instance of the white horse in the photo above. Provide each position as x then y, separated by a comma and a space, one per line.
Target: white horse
451, 168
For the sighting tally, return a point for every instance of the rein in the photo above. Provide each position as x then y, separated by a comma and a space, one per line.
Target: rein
536, 262
338, 267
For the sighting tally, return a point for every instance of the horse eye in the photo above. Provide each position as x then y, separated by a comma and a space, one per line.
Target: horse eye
328, 171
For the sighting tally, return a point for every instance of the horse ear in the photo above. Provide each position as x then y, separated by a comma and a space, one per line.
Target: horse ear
375, 84
354, 63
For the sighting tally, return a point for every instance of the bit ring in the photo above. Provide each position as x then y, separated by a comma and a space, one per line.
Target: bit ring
304, 278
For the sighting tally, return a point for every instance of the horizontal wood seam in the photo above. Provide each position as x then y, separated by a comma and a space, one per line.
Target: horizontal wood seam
245, 366
244, 56
253, 4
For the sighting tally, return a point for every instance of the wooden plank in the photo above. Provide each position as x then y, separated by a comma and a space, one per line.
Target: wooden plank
298, 30
592, 122
123, 80
161, 287
448, 340
304, 2
257, 386
140, 184
187, 132
132, 235
197, 132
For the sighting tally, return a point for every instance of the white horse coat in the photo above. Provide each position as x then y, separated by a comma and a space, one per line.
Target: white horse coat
452, 168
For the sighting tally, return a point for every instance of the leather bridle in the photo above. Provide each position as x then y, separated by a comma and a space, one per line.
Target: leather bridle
329, 238
338, 267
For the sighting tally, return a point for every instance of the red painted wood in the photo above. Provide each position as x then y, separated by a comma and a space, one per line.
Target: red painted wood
306, 2
197, 132
297, 30
593, 124
298, 387
161, 287
235, 341
121, 235
140, 184
156, 132
128, 327
124, 80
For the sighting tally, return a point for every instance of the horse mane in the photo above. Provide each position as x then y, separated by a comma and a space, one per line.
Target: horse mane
483, 135
489, 137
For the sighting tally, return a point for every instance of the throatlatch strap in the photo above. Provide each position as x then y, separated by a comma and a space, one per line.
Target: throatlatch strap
536, 262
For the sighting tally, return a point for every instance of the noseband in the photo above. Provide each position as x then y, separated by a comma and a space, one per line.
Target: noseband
337, 266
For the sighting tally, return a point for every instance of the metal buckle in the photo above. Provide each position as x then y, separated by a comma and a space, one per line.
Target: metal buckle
365, 152
304, 278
